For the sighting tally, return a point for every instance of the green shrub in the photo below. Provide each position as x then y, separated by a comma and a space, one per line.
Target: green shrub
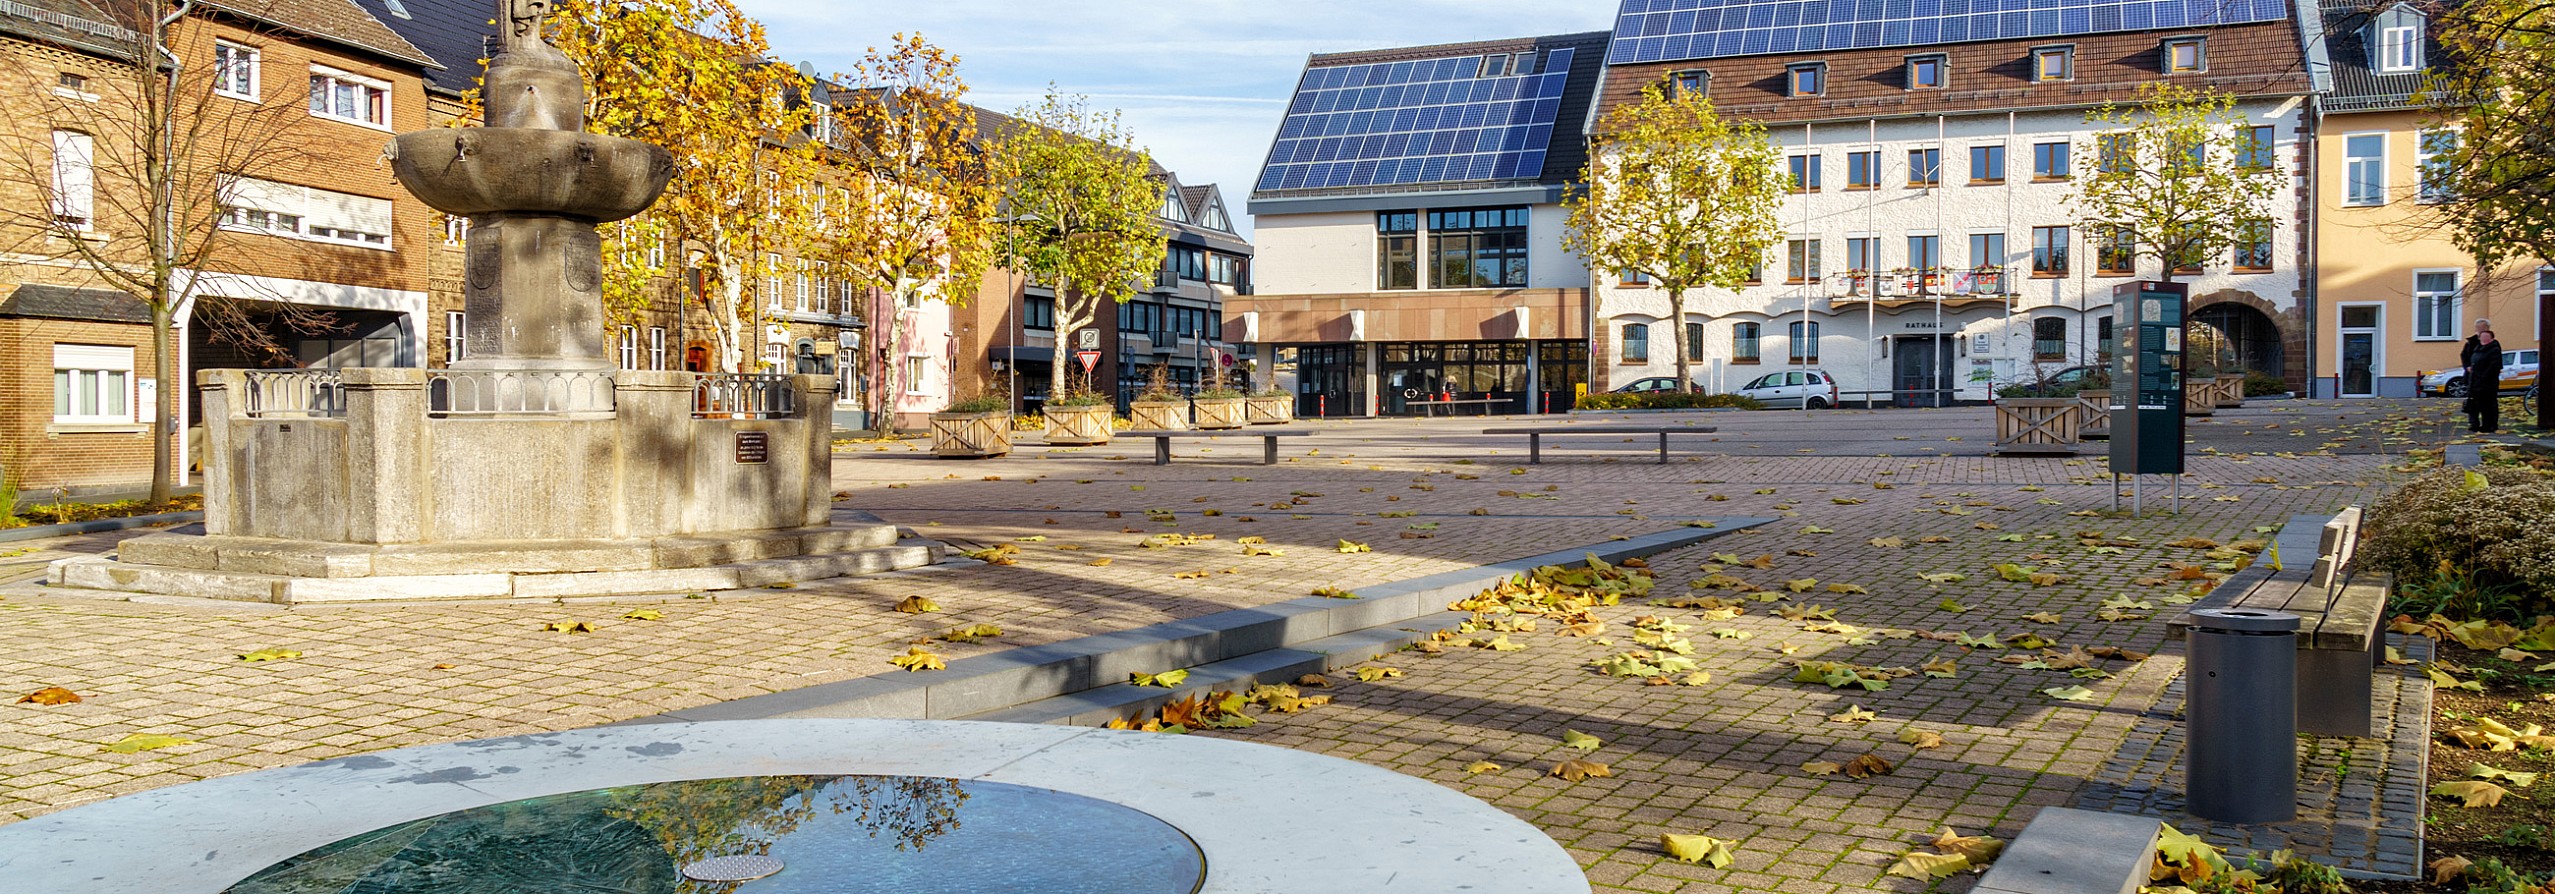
1079, 399
2489, 525
1219, 394
1668, 400
2262, 384
981, 403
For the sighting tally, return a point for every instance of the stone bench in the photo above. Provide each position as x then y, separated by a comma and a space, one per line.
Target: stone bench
1268, 438
2339, 613
2069, 851
1535, 434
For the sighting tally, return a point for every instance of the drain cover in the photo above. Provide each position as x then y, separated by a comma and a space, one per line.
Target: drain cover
738, 868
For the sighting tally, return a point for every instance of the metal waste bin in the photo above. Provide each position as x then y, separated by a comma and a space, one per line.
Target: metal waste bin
2241, 747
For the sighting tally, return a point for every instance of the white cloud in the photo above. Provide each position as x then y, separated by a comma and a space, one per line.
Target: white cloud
1202, 83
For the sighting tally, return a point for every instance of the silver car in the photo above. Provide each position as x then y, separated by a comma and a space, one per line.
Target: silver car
1794, 388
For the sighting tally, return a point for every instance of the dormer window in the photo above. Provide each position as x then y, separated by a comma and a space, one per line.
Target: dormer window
2186, 55
1925, 72
1505, 64
1806, 79
1691, 82
2400, 49
2053, 63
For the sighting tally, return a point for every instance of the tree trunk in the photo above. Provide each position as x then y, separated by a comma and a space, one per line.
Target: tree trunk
891, 339
1064, 339
163, 400
1677, 339
726, 326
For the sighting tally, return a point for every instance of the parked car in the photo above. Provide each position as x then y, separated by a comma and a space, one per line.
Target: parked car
1809, 389
1651, 384
2519, 370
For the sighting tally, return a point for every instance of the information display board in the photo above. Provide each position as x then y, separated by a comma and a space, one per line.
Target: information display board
2147, 379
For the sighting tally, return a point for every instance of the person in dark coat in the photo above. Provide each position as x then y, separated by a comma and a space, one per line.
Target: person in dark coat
2482, 358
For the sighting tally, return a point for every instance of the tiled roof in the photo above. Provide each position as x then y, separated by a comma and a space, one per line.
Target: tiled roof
1194, 198
457, 33
66, 303
2357, 84
340, 21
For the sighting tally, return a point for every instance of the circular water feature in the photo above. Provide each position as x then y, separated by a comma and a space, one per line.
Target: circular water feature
828, 834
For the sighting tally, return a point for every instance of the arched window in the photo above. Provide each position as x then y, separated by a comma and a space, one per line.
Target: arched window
1636, 343
1743, 342
2049, 339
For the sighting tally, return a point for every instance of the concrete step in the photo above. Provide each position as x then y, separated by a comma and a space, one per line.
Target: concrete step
1382, 619
118, 576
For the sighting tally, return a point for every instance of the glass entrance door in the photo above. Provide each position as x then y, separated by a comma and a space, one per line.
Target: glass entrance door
1922, 371
2360, 361
1329, 382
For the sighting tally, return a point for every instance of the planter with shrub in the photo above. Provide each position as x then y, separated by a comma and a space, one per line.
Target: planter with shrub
2230, 390
1270, 407
1158, 406
1668, 400
2200, 392
2472, 544
1220, 408
976, 427
2093, 413
2037, 425
1080, 419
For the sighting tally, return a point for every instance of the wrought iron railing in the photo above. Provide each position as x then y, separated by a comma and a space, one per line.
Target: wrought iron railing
517, 392
1925, 284
744, 396
296, 394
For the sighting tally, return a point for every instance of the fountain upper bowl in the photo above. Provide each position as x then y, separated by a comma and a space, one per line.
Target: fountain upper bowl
472, 171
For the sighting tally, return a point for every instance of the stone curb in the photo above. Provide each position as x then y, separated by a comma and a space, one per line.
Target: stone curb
102, 525
986, 684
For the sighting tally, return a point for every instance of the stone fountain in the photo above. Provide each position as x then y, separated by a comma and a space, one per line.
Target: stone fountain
532, 469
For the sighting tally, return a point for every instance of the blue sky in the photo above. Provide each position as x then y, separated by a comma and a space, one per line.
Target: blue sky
1202, 83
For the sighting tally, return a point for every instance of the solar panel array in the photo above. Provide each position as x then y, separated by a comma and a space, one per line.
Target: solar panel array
1420, 121
1674, 30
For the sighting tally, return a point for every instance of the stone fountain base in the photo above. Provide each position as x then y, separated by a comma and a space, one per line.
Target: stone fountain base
257, 569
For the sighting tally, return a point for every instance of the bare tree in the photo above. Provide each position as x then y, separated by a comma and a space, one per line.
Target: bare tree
131, 167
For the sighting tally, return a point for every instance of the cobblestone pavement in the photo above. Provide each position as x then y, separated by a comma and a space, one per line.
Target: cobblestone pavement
1721, 759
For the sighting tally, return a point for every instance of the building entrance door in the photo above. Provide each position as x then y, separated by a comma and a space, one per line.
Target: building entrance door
2360, 361
1921, 367
1329, 382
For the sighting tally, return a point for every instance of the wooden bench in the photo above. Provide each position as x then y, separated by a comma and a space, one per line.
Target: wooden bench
2339, 613
1268, 437
1430, 406
1535, 435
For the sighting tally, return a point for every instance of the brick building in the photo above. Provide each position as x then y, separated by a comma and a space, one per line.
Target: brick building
314, 259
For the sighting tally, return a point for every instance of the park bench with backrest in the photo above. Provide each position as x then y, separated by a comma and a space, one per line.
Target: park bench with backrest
1535, 434
2339, 611
1268, 439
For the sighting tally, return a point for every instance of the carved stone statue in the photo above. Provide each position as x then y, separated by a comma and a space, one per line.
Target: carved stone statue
523, 20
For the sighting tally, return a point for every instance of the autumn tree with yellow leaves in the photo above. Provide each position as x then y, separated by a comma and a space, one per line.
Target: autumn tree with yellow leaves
691, 76
1081, 200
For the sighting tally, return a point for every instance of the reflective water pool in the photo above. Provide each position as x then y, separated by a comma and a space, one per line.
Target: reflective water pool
830, 835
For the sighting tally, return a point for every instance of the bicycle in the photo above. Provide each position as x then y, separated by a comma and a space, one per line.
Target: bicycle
2528, 401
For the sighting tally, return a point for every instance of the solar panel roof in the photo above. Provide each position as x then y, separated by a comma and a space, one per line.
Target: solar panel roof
1674, 30
1478, 117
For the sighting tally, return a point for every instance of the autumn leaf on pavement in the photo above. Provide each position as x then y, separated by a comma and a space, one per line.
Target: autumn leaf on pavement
643, 614
1803, 585
1926, 867
1922, 739
1951, 605
2069, 693
1571, 738
282, 654
1352, 546
1103, 562
50, 695
1980, 849
1576, 770
919, 659
1852, 714
2446, 868
2043, 618
915, 605
972, 633
2476, 793
1867, 766
2516, 779
1166, 679
1372, 674
1822, 768
1888, 542
1944, 577
1480, 767
137, 743
1703, 849
1940, 668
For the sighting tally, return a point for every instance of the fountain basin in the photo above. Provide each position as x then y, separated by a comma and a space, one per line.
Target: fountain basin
472, 171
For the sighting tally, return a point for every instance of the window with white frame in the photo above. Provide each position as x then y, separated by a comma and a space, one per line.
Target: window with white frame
656, 348
917, 368
2364, 169
349, 97
1636, 342
2434, 153
74, 180
456, 230
304, 212
772, 283
2435, 300
773, 355
804, 284
92, 385
629, 347
235, 71
656, 254
456, 336
2400, 49
2184, 55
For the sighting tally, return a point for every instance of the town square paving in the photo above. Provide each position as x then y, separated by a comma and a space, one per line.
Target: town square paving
1722, 759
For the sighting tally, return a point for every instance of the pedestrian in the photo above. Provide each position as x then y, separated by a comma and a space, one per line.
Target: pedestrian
2482, 358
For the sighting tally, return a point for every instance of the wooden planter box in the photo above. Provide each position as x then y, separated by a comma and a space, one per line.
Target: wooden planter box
1278, 410
971, 434
2093, 414
2036, 425
1078, 426
2230, 392
1159, 415
1220, 413
2200, 397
